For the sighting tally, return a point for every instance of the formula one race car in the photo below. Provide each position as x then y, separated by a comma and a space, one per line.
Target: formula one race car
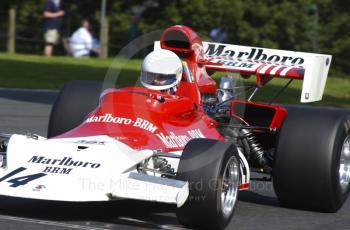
195, 147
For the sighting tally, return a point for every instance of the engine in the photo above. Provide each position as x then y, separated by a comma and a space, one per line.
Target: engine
218, 104
226, 90
232, 127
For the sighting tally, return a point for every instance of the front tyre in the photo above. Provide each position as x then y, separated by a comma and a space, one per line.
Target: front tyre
212, 169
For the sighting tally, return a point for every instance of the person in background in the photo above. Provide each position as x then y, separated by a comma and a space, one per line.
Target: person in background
82, 43
133, 29
134, 32
218, 34
53, 19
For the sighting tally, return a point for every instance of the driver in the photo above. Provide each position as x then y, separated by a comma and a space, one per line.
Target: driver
161, 70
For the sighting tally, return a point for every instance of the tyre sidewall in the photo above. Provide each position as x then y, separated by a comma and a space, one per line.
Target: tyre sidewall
224, 220
339, 196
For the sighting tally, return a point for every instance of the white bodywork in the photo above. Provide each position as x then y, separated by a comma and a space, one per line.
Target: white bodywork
83, 169
97, 168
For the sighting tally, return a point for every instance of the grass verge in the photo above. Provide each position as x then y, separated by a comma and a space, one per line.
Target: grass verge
32, 71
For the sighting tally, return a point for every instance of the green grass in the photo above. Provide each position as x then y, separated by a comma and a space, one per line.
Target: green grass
32, 71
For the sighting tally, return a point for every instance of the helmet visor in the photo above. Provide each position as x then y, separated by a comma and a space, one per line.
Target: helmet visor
156, 79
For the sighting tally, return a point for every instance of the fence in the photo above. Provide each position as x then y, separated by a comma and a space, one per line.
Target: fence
15, 38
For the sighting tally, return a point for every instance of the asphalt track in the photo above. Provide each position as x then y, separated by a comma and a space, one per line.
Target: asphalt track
23, 111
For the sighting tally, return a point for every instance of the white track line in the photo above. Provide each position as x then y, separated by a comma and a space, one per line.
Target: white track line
82, 227
50, 223
161, 226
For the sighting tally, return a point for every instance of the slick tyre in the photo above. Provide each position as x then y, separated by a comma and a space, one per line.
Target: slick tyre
74, 102
213, 172
312, 164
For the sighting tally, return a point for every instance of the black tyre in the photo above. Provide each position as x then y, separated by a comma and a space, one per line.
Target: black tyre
74, 102
212, 169
312, 164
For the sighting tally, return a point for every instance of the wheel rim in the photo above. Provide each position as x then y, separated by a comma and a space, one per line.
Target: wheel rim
229, 186
344, 168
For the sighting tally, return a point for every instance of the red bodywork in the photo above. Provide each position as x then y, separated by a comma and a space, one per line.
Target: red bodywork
146, 119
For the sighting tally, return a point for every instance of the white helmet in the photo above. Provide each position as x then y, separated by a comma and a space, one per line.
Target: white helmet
161, 70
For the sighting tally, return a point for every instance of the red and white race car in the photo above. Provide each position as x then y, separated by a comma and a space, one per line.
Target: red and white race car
195, 148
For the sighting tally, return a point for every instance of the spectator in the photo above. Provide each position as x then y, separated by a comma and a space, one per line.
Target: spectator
134, 30
218, 34
53, 18
82, 43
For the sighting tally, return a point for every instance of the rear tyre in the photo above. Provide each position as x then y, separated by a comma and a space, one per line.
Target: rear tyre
212, 169
312, 164
74, 102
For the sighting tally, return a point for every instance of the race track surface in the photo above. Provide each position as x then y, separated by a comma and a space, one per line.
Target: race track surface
23, 111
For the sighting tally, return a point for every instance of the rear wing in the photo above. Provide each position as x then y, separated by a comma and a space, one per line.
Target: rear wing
268, 63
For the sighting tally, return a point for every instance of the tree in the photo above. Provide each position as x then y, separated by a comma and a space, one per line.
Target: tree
283, 24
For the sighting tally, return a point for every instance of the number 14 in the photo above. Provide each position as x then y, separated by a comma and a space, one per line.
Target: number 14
18, 181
